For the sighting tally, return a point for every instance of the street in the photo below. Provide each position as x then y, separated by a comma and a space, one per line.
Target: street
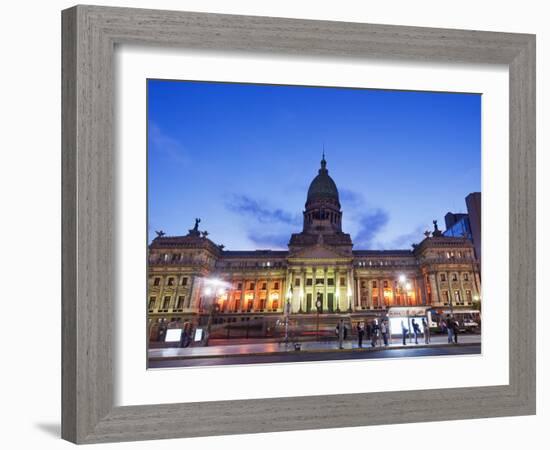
302, 356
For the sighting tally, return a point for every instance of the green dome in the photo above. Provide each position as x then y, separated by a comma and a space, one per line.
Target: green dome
322, 186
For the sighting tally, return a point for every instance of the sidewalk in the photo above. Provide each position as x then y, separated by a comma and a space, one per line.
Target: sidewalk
272, 348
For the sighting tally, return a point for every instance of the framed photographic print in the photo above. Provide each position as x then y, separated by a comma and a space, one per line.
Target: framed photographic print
291, 214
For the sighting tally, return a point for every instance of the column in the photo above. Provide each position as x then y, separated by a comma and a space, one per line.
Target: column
314, 292
243, 292
349, 289
436, 296
282, 292
381, 301
424, 295
393, 294
338, 290
192, 289
256, 303
369, 293
303, 290
450, 290
325, 299
267, 299
229, 301
358, 292
461, 284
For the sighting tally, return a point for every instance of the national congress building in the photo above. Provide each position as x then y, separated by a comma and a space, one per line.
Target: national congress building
321, 272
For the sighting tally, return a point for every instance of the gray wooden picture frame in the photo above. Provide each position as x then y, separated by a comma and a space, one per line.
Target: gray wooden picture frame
90, 34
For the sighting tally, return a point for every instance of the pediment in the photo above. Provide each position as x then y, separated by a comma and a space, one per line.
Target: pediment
319, 251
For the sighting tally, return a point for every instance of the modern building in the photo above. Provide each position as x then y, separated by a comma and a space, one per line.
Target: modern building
467, 225
320, 273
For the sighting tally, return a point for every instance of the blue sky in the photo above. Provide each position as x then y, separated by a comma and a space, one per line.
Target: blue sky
241, 157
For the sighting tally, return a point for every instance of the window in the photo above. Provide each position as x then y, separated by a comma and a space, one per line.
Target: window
363, 285
469, 296
184, 281
457, 297
385, 284
156, 281
181, 299
466, 277
455, 277
166, 303
264, 286
152, 301
297, 282
252, 286
374, 284
446, 297
309, 282
239, 286
330, 281
342, 281
320, 281
442, 277
276, 285
170, 281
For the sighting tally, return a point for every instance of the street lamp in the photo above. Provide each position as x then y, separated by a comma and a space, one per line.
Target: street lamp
405, 287
212, 286
287, 309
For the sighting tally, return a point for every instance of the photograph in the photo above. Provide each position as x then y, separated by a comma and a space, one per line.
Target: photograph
306, 223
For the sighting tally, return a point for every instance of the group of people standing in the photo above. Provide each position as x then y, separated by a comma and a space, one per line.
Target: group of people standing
450, 326
379, 329
416, 330
374, 331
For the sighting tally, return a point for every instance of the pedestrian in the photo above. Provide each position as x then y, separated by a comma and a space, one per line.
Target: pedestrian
450, 329
340, 328
426, 331
384, 331
374, 333
404, 332
455, 330
360, 334
416, 330
369, 330
184, 338
443, 326
162, 334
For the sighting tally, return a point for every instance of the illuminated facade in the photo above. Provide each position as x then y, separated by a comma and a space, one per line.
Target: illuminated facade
319, 266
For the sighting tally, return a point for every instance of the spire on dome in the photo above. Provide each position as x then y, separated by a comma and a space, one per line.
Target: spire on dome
323, 162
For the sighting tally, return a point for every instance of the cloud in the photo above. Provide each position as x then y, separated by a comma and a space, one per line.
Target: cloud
243, 204
350, 199
370, 224
166, 146
406, 240
267, 240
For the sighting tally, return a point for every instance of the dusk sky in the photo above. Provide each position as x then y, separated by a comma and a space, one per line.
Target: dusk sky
241, 157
